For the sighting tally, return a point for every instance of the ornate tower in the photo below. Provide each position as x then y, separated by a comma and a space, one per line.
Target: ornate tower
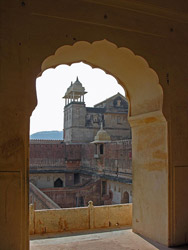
74, 113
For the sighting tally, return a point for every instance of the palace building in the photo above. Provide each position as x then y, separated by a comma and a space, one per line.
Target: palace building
93, 162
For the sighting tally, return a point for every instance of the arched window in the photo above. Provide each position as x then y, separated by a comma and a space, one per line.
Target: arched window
125, 198
111, 194
58, 183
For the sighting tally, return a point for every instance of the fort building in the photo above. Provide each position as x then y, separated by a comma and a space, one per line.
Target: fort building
81, 123
88, 164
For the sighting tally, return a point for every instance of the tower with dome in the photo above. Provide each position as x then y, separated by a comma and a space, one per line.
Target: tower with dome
82, 123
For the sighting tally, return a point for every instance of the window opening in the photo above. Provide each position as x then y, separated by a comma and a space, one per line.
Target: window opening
76, 178
101, 149
104, 187
58, 183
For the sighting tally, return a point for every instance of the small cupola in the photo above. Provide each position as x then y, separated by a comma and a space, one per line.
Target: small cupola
75, 93
102, 136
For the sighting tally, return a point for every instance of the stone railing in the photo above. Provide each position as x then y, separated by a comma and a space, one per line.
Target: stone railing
75, 219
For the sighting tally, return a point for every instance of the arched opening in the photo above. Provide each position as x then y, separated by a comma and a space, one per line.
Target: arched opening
111, 194
150, 152
81, 119
76, 178
58, 183
125, 198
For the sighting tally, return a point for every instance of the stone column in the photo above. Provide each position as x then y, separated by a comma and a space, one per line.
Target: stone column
14, 179
150, 176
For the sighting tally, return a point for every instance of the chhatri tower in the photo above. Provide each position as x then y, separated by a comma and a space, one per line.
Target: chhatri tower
82, 123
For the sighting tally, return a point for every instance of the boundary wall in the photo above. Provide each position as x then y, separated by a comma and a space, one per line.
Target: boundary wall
75, 219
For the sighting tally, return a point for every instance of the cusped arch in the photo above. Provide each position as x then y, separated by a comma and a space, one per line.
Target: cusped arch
133, 73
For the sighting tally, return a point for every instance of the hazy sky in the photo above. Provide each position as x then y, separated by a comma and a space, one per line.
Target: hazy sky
52, 85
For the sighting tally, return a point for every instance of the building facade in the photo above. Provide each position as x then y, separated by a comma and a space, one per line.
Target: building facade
81, 123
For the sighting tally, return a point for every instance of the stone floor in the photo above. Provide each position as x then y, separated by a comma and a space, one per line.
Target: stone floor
96, 240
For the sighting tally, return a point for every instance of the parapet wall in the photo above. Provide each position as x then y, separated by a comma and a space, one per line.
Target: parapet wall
117, 157
75, 219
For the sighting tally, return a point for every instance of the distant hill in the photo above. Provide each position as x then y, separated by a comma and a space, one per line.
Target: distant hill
47, 135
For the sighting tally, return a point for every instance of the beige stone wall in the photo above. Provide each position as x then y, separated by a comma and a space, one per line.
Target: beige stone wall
150, 170
74, 122
75, 219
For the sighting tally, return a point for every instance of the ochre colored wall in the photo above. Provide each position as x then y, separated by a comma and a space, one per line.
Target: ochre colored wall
155, 30
75, 219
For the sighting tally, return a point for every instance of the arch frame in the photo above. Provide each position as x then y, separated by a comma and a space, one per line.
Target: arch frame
149, 128
143, 90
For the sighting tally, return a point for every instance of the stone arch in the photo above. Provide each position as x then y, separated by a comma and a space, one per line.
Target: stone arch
149, 126
58, 183
125, 198
132, 71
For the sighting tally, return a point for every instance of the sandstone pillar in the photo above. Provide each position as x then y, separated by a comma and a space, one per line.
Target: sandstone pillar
150, 176
14, 180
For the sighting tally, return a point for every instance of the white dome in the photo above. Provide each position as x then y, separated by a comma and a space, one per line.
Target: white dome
102, 136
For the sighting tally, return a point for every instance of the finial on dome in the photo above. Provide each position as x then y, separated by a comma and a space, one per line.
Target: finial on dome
77, 78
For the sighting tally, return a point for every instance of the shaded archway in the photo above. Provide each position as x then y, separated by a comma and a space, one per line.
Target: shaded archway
149, 127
